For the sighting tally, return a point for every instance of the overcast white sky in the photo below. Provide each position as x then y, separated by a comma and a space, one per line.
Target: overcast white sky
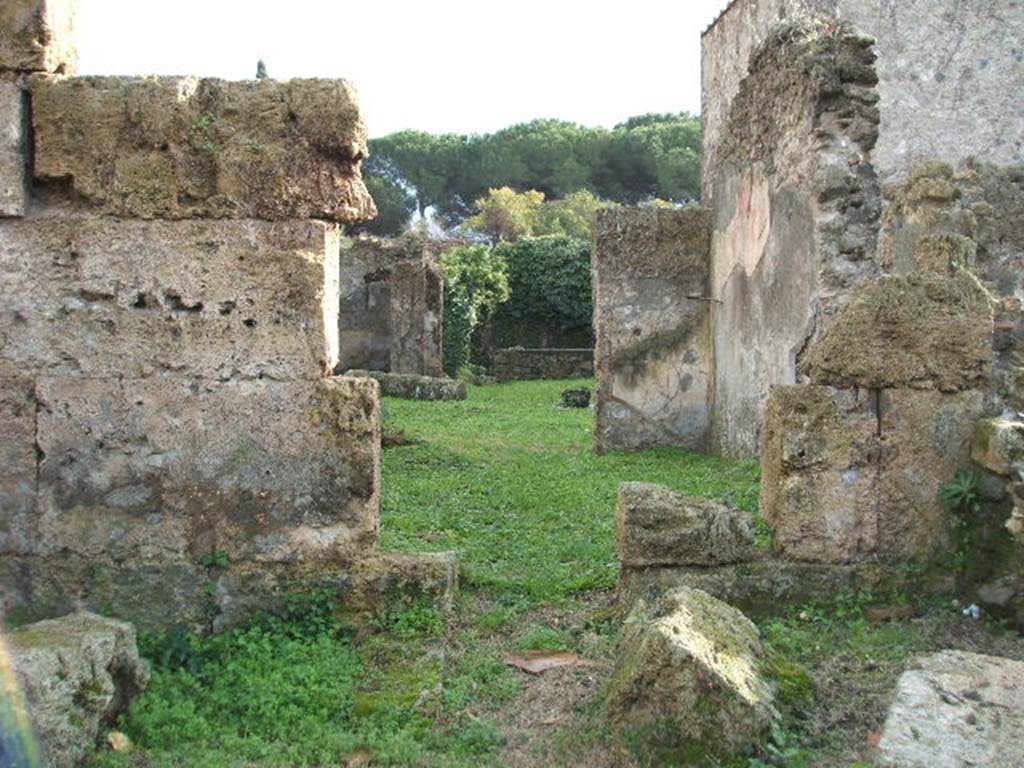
436, 65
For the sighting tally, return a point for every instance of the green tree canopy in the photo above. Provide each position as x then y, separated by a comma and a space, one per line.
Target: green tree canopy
655, 155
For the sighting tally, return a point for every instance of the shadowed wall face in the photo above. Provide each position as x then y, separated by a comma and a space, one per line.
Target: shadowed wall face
392, 304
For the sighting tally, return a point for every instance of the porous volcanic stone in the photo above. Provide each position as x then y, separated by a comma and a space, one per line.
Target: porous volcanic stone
925, 330
657, 526
998, 445
102, 297
687, 688
852, 475
38, 36
172, 147
77, 673
956, 709
170, 470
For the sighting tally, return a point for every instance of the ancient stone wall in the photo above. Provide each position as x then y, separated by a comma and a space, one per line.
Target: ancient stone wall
795, 215
391, 306
949, 75
518, 364
653, 352
169, 290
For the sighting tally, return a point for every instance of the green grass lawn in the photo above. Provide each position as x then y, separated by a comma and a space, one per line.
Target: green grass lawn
510, 481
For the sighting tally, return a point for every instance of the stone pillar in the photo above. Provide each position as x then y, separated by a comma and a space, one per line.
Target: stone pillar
653, 353
168, 330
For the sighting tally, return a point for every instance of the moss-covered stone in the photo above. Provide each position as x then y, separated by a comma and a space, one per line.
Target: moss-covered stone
688, 684
657, 527
77, 673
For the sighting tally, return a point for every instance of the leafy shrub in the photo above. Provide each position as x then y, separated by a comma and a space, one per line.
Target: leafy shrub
549, 283
475, 282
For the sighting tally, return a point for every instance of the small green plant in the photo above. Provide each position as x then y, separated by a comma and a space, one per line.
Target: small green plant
961, 495
218, 559
783, 750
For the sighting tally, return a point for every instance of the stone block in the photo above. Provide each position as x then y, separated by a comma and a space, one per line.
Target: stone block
924, 330
387, 579
38, 36
687, 685
171, 148
96, 296
953, 709
998, 445
77, 673
653, 345
17, 459
171, 470
850, 475
411, 387
658, 527
761, 586
13, 150
362, 587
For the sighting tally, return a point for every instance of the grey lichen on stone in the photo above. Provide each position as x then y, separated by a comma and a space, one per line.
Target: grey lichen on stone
659, 527
77, 673
688, 686
954, 709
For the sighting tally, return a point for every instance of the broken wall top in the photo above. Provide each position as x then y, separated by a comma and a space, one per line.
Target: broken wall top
38, 36
925, 331
948, 71
183, 147
652, 241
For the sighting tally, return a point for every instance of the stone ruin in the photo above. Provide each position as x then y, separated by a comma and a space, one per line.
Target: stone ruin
848, 303
392, 303
176, 447
850, 311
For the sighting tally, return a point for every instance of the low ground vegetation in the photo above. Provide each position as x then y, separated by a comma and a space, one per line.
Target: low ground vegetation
508, 479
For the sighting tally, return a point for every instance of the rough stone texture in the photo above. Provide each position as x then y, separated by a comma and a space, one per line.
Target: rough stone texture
971, 217
998, 445
17, 458
687, 688
205, 597
412, 387
759, 587
925, 331
653, 350
170, 470
38, 36
947, 72
956, 709
167, 147
658, 527
795, 210
77, 673
1003, 597
13, 150
97, 296
519, 364
851, 475
392, 304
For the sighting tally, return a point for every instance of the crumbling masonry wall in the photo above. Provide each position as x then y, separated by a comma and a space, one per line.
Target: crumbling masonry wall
174, 446
795, 209
653, 352
391, 306
948, 73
